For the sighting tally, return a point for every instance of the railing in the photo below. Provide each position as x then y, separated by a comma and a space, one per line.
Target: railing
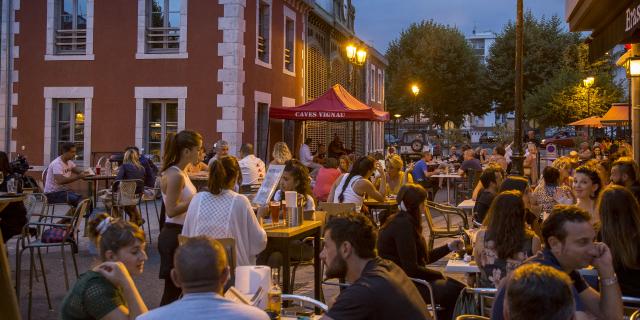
287, 56
261, 45
71, 41
163, 38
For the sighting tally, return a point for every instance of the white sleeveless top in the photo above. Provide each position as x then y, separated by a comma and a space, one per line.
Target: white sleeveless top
187, 192
350, 196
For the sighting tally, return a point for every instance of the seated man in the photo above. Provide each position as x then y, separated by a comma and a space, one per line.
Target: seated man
422, 175
535, 291
222, 150
201, 270
470, 162
61, 172
306, 157
379, 288
569, 246
251, 167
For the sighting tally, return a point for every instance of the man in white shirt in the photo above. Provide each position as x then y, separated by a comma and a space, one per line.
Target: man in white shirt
201, 270
251, 167
222, 150
61, 172
306, 157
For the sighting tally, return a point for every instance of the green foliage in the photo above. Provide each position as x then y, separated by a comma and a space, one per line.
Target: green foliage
440, 61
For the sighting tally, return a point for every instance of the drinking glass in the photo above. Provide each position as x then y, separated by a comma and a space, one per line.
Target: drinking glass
274, 210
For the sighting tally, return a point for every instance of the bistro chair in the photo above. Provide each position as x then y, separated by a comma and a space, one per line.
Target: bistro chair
486, 297
471, 317
49, 208
631, 305
336, 209
229, 245
304, 299
150, 195
635, 315
437, 233
308, 241
68, 238
433, 306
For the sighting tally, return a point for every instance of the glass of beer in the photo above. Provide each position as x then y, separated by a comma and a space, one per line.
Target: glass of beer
274, 210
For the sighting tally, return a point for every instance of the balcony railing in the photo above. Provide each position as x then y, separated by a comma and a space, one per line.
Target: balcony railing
163, 39
71, 41
287, 56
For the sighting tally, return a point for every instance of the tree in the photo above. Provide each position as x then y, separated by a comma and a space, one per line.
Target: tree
440, 61
545, 41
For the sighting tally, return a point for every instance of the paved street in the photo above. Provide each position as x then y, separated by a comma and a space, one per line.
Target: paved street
148, 283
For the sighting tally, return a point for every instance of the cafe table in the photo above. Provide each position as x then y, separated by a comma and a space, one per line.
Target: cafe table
93, 184
449, 177
389, 203
200, 180
461, 266
468, 204
6, 199
279, 238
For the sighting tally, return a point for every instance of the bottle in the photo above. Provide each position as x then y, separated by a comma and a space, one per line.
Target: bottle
274, 302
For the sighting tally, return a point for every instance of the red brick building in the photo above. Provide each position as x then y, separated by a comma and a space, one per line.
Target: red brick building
108, 74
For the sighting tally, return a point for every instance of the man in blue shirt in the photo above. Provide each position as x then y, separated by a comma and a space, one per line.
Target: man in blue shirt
569, 246
422, 175
201, 271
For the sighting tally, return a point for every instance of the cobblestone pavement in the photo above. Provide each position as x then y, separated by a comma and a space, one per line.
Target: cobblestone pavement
149, 285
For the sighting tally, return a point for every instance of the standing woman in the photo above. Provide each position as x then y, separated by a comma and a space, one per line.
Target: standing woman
352, 187
620, 230
587, 186
177, 190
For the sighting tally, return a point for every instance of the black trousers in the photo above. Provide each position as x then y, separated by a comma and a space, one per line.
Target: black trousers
167, 245
445, 292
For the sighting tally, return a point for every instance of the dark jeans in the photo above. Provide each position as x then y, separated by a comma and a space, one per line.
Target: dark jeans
167, 246
69, 197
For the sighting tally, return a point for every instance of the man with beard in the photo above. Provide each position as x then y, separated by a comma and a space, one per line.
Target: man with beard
624, 172
379, 288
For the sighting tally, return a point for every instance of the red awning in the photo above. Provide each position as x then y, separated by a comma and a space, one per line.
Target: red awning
593, 121
618, 115
334, 105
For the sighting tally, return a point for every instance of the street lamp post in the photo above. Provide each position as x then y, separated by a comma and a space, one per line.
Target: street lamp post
415, 90
588, 83
357, 56
518, 157
397, 116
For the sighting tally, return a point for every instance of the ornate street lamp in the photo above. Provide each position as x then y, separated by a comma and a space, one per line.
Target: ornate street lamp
518, 155
634, 66
588, 83
356, 55
415, 90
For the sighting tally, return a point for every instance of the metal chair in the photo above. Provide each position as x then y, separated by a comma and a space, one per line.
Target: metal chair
635, 315
68, 239
319, 216
433, 306
151, 197
50, 207
631, 306
336, 209
471, 317
437, 233
486, 297
303, 299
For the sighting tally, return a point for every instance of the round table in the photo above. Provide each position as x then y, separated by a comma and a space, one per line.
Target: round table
93, 184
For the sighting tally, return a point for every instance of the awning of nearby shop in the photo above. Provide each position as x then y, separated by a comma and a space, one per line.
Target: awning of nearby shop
618, 115
593, 122
334, 105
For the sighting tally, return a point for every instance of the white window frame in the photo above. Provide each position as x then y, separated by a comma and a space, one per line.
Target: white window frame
258, 61
163, 120
260, 97
52, 93
289, 14
142, 26
150, 93
372, 83
50, 52
380, 81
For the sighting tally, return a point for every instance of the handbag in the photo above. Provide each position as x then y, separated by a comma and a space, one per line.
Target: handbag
54, 235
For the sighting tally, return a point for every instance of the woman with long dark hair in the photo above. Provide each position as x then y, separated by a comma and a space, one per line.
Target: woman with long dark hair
587, 186
220, 212
620, 230
14, 216
177, 190
295, 177
352, 187
400, 240
504, 241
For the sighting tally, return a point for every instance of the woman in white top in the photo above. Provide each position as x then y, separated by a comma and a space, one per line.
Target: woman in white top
352, 187
220, 213
177, 190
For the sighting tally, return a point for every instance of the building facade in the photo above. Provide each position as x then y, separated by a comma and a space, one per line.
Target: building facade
108, 74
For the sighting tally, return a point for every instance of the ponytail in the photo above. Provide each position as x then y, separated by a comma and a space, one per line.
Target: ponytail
175, 143
222, 174
113, 234
360, 168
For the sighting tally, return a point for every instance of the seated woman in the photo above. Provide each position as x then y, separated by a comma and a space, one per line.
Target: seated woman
396, 178
352, 187
131, 169
531, 207
199, 167
344, 164
107, 291
400, 240
221, 212
620, 221
551, 192
280, 154
504, 241
587, 186
327, 175
14, 216
295, 177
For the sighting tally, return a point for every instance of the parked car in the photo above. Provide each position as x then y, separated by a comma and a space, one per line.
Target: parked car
561, 139
412, 144
488, 137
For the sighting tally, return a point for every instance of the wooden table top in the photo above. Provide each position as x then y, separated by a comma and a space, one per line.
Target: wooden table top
448, 175
467, 204
8, 199
99, 177
288, 232
387, 202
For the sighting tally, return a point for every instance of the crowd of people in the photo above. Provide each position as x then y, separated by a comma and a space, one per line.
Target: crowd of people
535, 232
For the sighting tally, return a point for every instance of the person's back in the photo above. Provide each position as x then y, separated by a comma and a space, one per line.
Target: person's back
252, 169
482, 205
129, 171
471, 164
325, 179
418, 171
364, 298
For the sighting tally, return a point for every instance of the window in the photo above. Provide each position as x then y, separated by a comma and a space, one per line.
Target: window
262, 127
71, 27
372, 83
380, 86
264, 32
161, 118
69, 117
289, 48
163, 26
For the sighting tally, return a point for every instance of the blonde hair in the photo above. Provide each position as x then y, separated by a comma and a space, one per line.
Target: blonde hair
131, 156
396, 161
281, 153
562, 163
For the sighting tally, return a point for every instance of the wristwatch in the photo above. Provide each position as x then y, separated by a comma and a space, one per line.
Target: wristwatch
605, 282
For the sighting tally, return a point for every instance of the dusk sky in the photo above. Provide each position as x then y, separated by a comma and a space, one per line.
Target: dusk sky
380, 21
